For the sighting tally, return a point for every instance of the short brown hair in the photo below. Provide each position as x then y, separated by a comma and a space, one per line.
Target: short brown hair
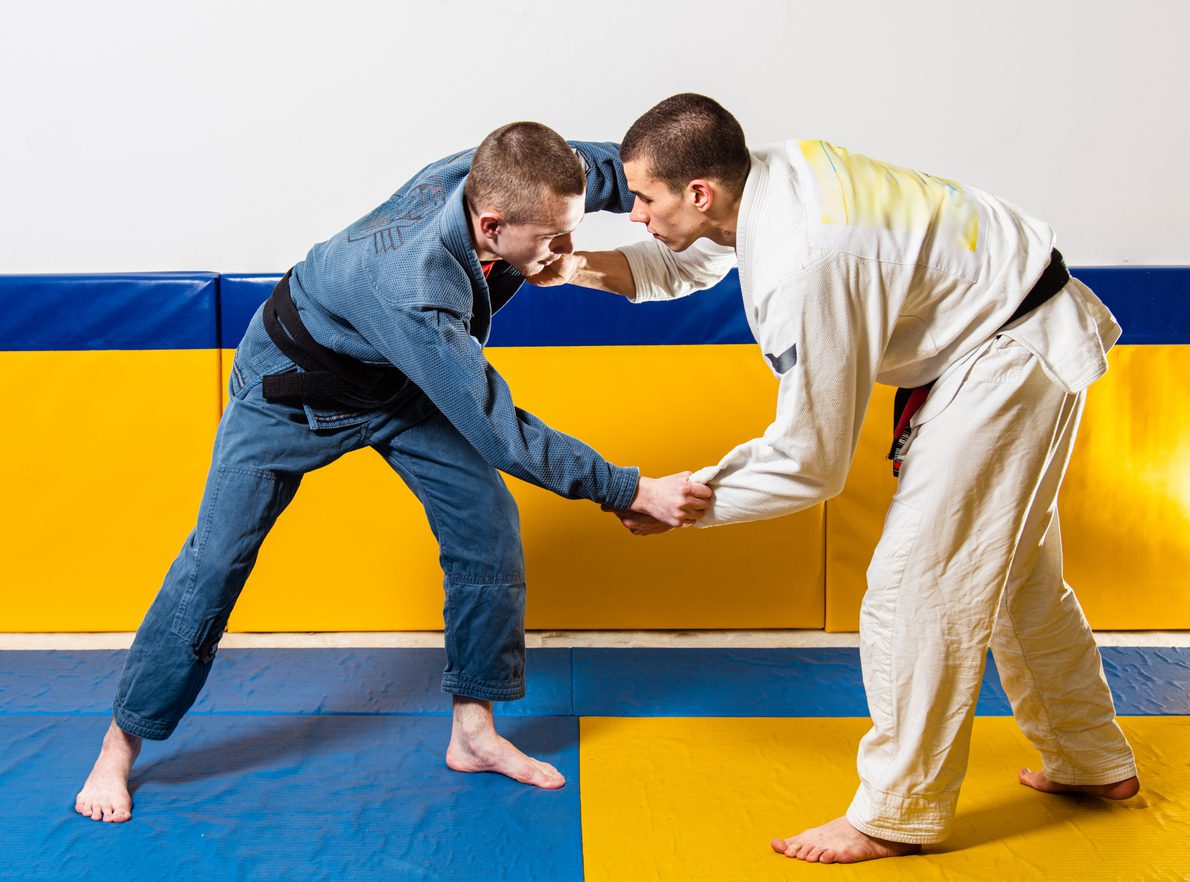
519, 165
689, 136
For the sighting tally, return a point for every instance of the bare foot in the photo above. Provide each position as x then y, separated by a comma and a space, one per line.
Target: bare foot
476, 746
840, 843
1125, 789
105, 795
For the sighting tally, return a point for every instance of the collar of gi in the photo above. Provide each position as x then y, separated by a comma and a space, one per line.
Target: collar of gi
455, 230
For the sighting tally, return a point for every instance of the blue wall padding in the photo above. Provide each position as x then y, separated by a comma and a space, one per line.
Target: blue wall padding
203, 310
561, 316
307, 681
119, 311
240, 295
1152, 304
571, 316
290, 797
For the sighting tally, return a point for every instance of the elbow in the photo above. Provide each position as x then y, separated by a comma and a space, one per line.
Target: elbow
832, 487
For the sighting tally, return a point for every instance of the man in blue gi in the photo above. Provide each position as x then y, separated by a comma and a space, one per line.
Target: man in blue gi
375, 339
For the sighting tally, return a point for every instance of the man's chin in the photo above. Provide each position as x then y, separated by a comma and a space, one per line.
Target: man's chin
676, 247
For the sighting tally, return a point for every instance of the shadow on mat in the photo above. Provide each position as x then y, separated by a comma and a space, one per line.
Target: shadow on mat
272, 742
1026, 812
275, 742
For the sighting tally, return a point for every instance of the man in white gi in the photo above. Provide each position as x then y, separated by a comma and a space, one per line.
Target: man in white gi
855, 272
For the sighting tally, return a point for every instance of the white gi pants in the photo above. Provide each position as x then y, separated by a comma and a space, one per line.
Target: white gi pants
971, 556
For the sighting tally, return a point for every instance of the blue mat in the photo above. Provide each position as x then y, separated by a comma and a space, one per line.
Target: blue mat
290, 797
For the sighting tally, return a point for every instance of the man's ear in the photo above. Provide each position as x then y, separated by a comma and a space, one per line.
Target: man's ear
490, 224
702, 192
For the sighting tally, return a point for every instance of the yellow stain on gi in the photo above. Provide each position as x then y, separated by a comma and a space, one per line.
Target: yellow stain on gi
857, 191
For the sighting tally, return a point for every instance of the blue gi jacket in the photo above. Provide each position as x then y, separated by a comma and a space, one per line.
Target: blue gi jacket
403, 286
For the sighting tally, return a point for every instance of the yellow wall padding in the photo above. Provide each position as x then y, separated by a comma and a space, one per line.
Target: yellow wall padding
1124, 506
697, 800
354, 552
105, 455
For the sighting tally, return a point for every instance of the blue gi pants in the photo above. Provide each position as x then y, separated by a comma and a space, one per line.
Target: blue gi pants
262, 450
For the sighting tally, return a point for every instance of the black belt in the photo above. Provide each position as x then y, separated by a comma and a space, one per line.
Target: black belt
907, 401
325, 373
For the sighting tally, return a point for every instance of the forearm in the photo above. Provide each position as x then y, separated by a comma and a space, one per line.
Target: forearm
604, 271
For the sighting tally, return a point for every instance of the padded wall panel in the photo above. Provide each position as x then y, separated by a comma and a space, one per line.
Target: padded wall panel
103, 471
354, 552
56, 313
1124, 506
664, 409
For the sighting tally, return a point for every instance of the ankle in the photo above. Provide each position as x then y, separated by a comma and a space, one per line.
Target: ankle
116, 739
472, 717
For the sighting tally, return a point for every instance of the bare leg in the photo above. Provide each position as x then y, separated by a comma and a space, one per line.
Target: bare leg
1125, 789
475, 746
840, 843
105, 795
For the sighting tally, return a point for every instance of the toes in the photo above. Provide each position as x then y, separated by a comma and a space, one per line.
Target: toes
539, 774
549, 781
547, 776
779, 845
96, 813
120, 815
827, 857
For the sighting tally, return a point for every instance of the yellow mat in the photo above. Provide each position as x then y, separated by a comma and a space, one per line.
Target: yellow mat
699, 799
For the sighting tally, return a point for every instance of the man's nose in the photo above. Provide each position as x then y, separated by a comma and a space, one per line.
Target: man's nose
638, 215
562, 244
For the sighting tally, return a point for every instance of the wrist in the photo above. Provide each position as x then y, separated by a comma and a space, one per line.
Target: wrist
584, 274
640, 498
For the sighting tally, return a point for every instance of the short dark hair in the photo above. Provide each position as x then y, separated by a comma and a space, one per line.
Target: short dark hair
517, 166
689, 136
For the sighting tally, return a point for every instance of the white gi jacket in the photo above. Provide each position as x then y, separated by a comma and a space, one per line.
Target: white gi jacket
855, 272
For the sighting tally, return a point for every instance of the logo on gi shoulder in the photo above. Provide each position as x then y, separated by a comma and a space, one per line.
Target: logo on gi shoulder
387, 225
783, 362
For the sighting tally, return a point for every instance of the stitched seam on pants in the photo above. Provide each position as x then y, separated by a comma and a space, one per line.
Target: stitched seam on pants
177, 626
199, 547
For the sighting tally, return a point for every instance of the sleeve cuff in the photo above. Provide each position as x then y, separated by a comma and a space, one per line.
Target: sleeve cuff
638, 255
623, 487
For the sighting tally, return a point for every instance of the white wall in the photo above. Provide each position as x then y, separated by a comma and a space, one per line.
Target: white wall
211, 134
